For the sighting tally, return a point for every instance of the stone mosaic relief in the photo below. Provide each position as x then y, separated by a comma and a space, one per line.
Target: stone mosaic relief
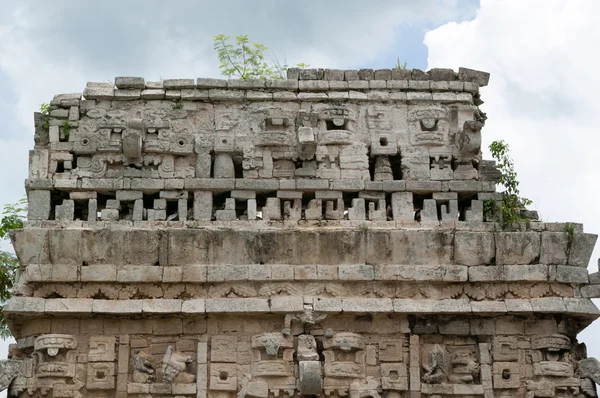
330, 363
225, 239
226, 160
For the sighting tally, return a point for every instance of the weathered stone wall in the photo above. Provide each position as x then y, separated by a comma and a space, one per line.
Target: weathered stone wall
321, 235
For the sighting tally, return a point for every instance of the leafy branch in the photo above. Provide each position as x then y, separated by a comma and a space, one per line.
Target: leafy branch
512, 203
45, 118
246, 61
400, 65
13, 217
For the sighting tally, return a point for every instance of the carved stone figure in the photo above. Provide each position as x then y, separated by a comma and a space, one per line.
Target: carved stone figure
175, 367
143, 370
436, 365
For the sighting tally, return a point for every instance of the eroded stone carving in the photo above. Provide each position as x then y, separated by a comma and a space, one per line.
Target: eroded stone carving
436, 365
175, 367
143, 369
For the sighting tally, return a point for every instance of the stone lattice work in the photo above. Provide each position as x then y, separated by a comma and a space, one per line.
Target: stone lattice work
323, 235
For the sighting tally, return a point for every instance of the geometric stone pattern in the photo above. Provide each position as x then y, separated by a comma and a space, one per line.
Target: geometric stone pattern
322, 235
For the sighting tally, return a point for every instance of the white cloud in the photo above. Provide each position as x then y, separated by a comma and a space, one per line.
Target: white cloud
542, 99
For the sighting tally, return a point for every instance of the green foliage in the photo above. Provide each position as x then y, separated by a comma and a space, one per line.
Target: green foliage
246, 61
400, 65
45, 120
570, 230
13, 217
177, 105
66, 128
490, 209
512, 202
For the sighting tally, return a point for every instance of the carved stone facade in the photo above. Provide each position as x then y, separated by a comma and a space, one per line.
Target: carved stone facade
323, 235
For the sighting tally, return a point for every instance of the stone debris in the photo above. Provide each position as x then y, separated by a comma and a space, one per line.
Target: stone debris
328, 234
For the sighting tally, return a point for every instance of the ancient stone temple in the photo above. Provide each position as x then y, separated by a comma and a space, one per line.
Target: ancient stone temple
333, 234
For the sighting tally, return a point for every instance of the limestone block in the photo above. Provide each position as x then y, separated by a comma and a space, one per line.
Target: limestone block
583, 306
130, 82
210, 83
99, 91
310, 377
177, 84
251, 209
192, 94
548, 305
283, 84
182, 209
66, 211
193, 306
157, 215
530, 272
448, 306
161, 306
219, 273
429, 210
569, 274
70, 307
475, 76
357, 211
369, 305
223, 166
153, 94
421, 247
486, 273
475, 212
38, 205
517, 247
237, 305
326, 304
139, 273
313, 85
474, 248
334, 209
258, 185
215, 94
122, 307
99, 273
127, 94
223, 349
284, 96
394, 376
581, 249
223, 377
203, 203
348, 185
102, 349
272, 209
402, 206
100, 376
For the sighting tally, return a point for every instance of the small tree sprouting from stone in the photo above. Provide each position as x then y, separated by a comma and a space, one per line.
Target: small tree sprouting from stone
247, 61
512, 202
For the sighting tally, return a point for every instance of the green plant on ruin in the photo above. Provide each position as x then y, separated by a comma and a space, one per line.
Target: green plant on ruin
13, 217
177, 105
570, 231
491, 209
400, 65
45, 119
66, 128
512, 202
363, 227
247, 61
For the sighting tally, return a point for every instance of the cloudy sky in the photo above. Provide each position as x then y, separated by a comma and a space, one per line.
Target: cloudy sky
541, 54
